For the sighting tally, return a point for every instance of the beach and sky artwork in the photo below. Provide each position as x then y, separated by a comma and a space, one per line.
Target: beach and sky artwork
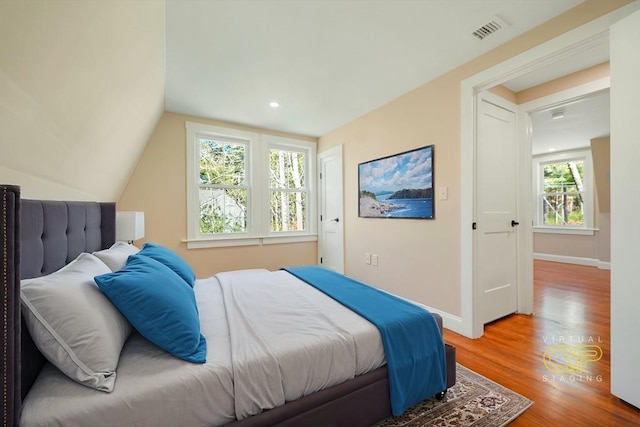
398, 186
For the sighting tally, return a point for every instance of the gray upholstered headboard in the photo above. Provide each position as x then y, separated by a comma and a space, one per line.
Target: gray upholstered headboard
38, 237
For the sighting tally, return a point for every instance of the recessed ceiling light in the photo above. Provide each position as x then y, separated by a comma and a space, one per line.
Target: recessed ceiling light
552, 149
274, 104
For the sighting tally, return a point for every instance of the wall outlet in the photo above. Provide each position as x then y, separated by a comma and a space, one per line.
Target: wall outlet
367, 258
374, 260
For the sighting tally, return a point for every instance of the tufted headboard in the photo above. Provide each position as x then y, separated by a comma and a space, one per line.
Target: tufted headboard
38, 237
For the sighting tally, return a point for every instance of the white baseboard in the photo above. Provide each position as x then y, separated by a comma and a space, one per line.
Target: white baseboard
591, 262
449, 321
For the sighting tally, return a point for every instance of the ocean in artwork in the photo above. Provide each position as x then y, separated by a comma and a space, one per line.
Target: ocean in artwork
408, 208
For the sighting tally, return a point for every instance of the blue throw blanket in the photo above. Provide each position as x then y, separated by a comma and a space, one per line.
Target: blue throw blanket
412, 341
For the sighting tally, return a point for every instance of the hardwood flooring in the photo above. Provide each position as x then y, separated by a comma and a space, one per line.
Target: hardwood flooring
571, 307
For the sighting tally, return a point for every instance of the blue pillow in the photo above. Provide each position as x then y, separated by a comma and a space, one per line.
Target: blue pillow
158, 303
171, 260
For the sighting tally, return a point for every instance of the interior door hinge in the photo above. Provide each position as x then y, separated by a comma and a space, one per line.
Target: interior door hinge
320, 217
474, 225
320, 175
320, 260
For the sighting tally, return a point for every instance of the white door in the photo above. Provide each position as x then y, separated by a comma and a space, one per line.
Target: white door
330, 240
625, 205
496, 220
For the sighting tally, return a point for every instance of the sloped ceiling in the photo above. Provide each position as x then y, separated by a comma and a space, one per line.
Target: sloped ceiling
82, 83
81, 90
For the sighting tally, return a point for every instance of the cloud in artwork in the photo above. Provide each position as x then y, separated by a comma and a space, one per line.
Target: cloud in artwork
412, 170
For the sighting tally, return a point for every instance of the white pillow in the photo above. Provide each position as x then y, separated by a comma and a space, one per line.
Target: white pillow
116, 256
74, 324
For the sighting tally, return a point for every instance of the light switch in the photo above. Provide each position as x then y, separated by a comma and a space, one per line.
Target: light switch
443, 193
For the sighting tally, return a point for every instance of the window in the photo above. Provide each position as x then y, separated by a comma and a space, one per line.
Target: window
246, 188
223, 191
564, 194
288, 194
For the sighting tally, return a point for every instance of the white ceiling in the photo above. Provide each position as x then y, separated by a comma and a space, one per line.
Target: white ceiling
325, 62
583, 120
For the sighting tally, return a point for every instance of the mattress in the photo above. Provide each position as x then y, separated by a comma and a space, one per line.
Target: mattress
271, 338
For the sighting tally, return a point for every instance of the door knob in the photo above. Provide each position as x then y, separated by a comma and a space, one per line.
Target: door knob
514, 223
336, 219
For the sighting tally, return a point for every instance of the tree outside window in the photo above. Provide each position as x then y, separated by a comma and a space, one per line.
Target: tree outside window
288, 196
223, 190
564, 196
563, 193
248, 188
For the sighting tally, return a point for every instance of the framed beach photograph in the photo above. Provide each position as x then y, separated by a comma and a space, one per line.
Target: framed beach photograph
397, 186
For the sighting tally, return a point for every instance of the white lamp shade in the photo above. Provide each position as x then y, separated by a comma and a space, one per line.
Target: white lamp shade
129, 226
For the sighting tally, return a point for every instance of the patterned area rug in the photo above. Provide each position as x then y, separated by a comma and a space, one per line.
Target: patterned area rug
473, 401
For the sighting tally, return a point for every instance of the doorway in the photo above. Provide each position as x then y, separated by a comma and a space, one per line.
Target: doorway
570, 167
579, 40
331, 229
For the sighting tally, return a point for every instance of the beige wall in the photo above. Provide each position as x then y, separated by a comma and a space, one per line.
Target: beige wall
505, 93
601, 152
567, 82
158, 188
604, 237
81, 89
420, 259
554, 86
566, 245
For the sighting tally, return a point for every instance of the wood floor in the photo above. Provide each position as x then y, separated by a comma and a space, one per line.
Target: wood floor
571, 306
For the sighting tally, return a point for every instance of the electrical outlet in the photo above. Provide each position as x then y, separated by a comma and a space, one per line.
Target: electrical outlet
367, 258
374, 260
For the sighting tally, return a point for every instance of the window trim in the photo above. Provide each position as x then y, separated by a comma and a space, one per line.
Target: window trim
309, 149
582, 154
258, 220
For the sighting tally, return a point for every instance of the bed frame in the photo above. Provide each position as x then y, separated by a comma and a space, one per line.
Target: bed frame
39, 237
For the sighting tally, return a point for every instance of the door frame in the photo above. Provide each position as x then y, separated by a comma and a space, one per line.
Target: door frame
337, 153
580, 39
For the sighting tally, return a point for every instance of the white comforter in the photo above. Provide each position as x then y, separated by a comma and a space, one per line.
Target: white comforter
271, 338
289, 340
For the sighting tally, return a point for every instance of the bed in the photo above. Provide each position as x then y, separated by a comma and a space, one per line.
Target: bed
40, 237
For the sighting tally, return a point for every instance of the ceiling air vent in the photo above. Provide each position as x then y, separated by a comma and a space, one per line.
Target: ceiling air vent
489, 28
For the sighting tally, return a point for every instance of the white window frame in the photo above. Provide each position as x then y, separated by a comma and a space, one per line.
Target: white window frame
584, 155
309, 150
258, 220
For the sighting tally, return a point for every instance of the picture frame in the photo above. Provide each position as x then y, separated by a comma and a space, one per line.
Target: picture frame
398, 186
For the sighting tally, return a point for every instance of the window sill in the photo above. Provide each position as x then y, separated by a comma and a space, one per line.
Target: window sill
249, 241
565, 230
